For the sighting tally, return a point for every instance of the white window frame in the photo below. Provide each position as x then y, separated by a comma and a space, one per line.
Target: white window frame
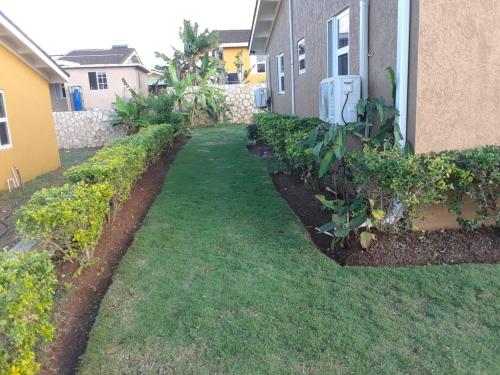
6, 121
104, 82
60, 91
301, 57
333, 51
254, 62
280, 59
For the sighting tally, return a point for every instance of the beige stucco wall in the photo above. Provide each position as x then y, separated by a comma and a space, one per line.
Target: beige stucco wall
458, 75
103, 99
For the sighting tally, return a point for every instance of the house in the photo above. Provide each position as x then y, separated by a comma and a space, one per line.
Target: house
96, 77
445, 54
156, 82
233, 43
28, 145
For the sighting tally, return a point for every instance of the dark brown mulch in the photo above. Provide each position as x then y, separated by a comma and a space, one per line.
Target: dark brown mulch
402, 249
77, 314
261, 151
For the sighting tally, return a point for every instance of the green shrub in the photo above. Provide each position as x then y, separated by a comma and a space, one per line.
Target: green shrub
27, 284
123, 163
286, 135
160, 109
70, 217
478, 179
153, 140
398, 184
119, 166
253, 134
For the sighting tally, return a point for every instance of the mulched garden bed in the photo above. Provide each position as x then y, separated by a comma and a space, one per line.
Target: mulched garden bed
403, 249
79, 308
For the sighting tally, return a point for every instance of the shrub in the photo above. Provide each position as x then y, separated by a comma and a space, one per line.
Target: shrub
27, 284
286, 135
70, 217
477, 178
119, 166
253, 134
122, 163
397, 184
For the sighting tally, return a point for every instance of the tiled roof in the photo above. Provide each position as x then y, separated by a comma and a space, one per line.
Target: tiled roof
234, 36
115, 55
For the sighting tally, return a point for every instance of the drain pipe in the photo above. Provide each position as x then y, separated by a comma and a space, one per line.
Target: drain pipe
292, 68
402, 68
363, 45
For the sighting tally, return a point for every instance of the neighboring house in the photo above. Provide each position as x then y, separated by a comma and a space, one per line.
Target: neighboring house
446, 56
27, 135
156, 82
232, 43
96, 77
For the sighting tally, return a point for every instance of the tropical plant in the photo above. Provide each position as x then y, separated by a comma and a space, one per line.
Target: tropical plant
239, 64
130, 112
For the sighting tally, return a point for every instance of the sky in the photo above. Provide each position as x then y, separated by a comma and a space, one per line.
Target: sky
59, 26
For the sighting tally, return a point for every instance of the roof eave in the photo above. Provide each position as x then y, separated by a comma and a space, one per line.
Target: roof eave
262, 25
14, 39
87, 66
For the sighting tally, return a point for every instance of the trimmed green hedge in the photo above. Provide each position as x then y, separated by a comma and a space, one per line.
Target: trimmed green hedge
27, 285
72, 216
384, 178
285, 134
122, 163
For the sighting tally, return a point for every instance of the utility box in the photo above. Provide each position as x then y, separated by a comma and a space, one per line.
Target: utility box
261, 97
339, 97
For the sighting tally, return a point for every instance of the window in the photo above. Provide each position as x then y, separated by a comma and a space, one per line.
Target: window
258, 64
301, 51
98, 81
4, 124
59, 91
338, 45
281, 74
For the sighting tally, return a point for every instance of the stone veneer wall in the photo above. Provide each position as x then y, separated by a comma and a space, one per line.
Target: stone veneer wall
85, 129
241, 101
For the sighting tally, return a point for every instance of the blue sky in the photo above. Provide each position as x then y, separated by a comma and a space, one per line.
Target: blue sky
148, 25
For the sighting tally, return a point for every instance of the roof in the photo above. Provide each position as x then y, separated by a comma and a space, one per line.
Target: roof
14, 39
234, 36
115, 55
262, 26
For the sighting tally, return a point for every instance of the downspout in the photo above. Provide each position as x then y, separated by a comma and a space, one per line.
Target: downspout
402, 68
363, 45
292, 68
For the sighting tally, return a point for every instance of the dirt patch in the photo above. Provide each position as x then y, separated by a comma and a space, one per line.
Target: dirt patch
79, 309
403, 249
261, 151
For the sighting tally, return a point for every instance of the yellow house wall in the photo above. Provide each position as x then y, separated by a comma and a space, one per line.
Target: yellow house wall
34, 148
230, 54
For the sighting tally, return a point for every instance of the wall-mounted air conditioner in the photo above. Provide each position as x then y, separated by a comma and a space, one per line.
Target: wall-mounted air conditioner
339, 97
261, 97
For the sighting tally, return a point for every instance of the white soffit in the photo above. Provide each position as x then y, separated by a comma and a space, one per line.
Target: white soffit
263, 22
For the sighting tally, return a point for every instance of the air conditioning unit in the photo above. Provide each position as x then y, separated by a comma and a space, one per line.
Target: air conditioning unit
339, 97
261, 97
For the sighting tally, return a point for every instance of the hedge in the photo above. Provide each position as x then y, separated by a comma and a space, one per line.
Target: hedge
285, 134
122, 163
385, 178
27, 285
71, 217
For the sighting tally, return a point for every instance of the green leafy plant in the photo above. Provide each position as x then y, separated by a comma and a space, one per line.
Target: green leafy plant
477, 178
69, 217
130, 112
27, 285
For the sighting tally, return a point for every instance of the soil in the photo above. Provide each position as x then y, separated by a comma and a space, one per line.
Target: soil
261, 151
401, 249
79, 308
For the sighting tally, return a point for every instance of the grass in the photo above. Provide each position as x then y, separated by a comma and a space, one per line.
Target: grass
9, 202
222, 279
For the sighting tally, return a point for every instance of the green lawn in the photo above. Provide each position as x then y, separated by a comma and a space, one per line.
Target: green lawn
9, 202
222, 279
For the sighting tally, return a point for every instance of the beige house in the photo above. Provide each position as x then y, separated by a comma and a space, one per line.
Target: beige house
445, 54
96, 77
